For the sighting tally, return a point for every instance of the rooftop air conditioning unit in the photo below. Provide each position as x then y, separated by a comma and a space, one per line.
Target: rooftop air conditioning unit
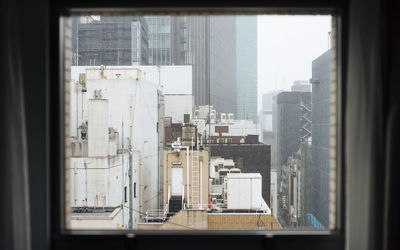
223, 117
230, 117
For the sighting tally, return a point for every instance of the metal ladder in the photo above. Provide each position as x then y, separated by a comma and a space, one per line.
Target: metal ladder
195, 178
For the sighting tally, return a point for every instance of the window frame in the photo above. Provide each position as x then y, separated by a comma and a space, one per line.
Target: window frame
66, 239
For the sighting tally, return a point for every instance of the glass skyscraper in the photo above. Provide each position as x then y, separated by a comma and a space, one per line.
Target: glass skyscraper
208, 43
109, 41
246, 67
223, 63
159, 39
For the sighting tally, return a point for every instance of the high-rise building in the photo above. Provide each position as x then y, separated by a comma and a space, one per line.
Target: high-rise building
160, 31
266, 119
223, 63
246, 67
293, 115
206, 42
301, 86
109, 41
268, 103
320, 140
191, 45
293, 127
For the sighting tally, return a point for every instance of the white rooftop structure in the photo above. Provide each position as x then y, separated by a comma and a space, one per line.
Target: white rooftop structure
238, 128
174, 79
244, 192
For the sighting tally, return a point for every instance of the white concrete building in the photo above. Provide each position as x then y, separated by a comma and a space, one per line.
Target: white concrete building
176, 105
237, 128
114, 111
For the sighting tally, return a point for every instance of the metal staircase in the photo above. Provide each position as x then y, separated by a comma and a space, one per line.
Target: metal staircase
174, 205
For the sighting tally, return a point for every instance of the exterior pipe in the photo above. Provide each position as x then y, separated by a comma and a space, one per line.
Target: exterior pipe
177, 145
187, 175
201, 184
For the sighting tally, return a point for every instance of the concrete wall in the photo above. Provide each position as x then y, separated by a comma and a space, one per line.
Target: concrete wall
178, 105
133, 112
112, 221
98, 128
106, 178
96, 181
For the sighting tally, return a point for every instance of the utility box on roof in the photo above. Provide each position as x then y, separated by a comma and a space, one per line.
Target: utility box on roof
244, 191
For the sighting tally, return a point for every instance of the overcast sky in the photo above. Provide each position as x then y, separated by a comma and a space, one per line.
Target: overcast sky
287, 45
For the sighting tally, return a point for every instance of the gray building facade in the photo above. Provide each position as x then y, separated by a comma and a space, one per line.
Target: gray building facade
191, 43
293, 126
321, 138
205, 42
109, 41
223, 63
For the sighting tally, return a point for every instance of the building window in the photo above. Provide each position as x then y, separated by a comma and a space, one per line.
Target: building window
119, 106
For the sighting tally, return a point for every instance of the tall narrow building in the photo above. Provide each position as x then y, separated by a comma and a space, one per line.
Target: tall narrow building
223, 63
191, 45
292, 123
246, 67
321, 138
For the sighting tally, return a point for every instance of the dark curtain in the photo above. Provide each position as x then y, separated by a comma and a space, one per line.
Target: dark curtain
14, 189
391, 66
372, 125
364, 126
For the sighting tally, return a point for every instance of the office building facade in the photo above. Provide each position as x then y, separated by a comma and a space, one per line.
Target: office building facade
246, 67
293, 114
321, 138
109, 41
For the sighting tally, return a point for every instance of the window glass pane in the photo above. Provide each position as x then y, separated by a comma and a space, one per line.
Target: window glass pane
201, 122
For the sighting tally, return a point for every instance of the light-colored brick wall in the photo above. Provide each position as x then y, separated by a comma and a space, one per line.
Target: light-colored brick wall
183, 220
242, 221
201, 220
186, 220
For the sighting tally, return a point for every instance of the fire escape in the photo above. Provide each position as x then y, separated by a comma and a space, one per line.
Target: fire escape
305, 122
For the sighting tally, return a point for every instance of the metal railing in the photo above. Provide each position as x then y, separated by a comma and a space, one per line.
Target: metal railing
155, 215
